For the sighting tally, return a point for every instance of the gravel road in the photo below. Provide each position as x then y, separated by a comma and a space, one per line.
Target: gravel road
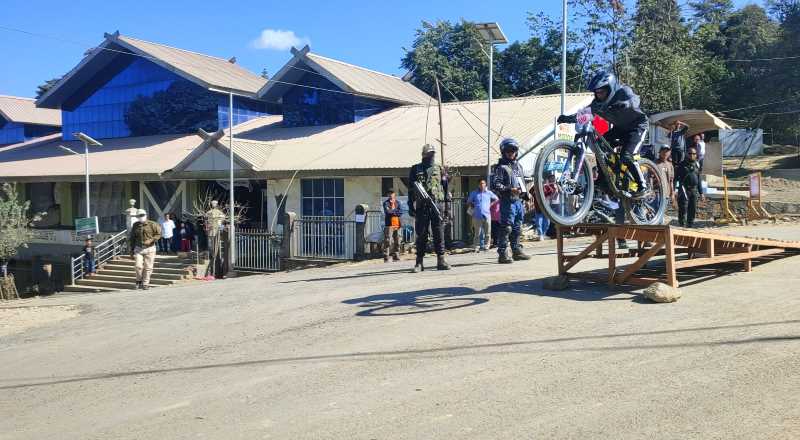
369, 351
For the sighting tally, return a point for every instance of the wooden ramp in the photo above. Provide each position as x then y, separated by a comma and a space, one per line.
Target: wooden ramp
701, 248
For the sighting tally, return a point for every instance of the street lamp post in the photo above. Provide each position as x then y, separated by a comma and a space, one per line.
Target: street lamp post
87, 140
564, 56
491, 34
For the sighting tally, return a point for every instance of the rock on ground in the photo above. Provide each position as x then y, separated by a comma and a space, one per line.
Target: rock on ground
662, 293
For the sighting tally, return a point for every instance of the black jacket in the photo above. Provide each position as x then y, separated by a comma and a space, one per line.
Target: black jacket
507, 175
622, 110
687, 176
388, 212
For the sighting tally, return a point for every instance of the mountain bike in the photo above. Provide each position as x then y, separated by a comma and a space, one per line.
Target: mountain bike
564, 172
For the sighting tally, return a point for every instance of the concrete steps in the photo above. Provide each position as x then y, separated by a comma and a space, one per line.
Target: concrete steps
120, 274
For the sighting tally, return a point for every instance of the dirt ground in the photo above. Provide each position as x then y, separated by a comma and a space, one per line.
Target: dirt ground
370, 351
16, 317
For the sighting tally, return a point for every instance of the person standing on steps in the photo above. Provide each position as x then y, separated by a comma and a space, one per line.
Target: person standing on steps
391, 227
428, 204
509, 184
142, 242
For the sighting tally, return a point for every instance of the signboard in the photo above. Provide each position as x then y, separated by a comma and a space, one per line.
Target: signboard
755, 186
86, 226
565, 132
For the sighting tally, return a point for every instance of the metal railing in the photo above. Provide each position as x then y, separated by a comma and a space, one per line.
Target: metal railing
258, 250
324, 237
113, 246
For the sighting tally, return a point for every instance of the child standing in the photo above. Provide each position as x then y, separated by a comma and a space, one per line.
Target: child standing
88, 258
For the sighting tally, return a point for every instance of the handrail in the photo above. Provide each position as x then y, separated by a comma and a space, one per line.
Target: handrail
104, 251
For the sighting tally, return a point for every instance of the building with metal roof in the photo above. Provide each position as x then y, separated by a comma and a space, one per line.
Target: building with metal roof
21, 120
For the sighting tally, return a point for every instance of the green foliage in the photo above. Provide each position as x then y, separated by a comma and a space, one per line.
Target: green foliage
15, 225
182, 108
453, 53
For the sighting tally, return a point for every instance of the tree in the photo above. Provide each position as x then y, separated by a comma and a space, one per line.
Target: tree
264, 73
15, 223
603, 33
182, 108
41, 89
534, 66
451, 52
662, 55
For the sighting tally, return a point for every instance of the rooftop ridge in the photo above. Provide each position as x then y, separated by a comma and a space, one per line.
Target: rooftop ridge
355, 66
174, 48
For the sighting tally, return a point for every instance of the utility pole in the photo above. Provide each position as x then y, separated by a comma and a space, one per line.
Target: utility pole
564, 57
232, 202
441, 123
489, 118
680, 97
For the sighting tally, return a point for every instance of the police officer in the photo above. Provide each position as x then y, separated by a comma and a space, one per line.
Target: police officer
431, 176
688, 186
509, 185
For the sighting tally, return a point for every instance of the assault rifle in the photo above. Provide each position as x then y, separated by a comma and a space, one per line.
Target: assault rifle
427, 198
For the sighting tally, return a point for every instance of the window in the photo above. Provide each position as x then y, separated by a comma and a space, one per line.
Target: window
323, 197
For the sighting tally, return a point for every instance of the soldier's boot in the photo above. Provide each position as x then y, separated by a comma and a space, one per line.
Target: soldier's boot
441, 263
503, 258
418, 267
518, 255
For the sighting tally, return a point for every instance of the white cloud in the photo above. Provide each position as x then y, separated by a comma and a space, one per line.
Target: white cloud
276, 39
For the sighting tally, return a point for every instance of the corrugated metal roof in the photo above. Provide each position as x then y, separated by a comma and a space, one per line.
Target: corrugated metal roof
205, 70
150, 155
351, 79
24, 111
214, 72
393, 139
369, 82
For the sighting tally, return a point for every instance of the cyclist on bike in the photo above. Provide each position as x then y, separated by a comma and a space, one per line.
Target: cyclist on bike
619, 105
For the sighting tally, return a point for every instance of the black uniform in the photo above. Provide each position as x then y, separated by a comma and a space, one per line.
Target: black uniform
433, 180
688, 187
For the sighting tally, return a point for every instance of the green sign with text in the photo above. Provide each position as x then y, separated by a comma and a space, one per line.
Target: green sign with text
86, 226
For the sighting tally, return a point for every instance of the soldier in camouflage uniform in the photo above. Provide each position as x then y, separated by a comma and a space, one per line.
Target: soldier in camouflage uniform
433, 180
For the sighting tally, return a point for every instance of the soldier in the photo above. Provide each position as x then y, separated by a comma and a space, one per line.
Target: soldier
688, 186
427, 203
509, 185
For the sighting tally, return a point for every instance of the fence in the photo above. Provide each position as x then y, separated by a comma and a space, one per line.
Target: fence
116, 245
459, 228
257, 250
324, 237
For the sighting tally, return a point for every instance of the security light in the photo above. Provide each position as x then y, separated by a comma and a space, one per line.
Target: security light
87, 139
69, 150
491, 33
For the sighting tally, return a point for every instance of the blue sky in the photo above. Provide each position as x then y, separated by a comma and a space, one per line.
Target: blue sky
370, 34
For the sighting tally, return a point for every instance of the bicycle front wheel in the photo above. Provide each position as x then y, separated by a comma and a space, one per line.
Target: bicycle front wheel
564, 197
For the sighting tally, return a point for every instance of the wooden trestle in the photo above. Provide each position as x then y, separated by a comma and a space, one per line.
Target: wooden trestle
701, 247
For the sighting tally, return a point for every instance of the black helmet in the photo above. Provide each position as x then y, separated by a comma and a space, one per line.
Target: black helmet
509, 144
603, 79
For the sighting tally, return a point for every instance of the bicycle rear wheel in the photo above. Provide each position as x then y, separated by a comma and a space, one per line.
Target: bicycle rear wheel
569, 197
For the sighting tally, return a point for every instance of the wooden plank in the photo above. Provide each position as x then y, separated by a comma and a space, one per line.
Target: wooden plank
612, 255
642, 281
748, 263
669, 257
572, 261
678, 232
560, 250
636, 265
726, 258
